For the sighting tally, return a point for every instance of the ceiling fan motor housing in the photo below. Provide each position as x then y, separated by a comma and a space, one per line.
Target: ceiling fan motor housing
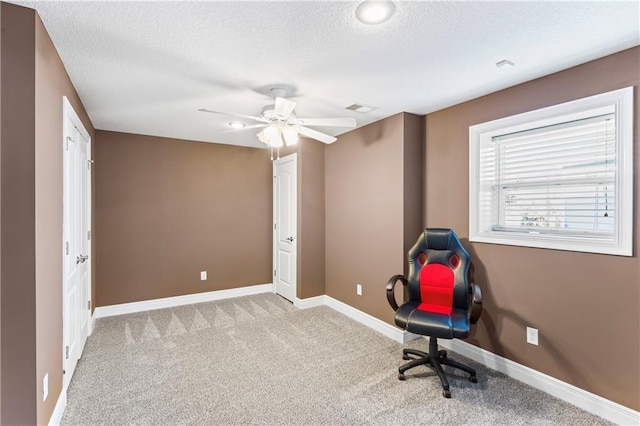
268, 112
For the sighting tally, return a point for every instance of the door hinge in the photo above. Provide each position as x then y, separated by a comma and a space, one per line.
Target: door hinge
274, 272
66, 145
275, 226
89, 304
88, 235
67, 247
88, 164
67, 352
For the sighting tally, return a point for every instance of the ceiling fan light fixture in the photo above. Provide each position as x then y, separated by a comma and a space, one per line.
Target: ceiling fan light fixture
271, 132
290, 135
277, 135
262, 138
273, 136
375, 11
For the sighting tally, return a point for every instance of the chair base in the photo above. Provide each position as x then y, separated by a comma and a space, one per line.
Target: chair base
434, 359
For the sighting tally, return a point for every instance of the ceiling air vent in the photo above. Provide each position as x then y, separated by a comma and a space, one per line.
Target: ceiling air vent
360, 108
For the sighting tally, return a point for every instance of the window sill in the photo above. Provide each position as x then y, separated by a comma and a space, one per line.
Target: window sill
555, 242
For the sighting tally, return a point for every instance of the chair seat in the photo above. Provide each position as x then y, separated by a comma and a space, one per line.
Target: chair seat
446, 326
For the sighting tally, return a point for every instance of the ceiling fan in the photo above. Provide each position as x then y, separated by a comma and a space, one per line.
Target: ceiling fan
280, 125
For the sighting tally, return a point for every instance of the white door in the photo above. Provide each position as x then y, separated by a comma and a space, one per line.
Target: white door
76, 238
284, 226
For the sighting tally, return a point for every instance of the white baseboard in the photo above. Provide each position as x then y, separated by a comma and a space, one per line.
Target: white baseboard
351, 312
188, 299
588, 401
581, 398
310, 302
58, 411
374, 323
92, 323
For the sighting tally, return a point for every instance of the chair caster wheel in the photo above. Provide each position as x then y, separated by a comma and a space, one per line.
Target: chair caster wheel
442, 354
446, 393
401, 376
473, 379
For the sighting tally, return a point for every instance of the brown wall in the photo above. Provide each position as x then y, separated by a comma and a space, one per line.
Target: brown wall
414, 178
311, 218
52, 83
167, 209
18, 249
586, 306
0, 214
366, 221
34, 81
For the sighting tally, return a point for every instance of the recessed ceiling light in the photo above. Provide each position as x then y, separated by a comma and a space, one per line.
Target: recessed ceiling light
375, 11
236, 124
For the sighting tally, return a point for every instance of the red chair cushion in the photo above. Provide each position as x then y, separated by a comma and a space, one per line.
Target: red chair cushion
436, 288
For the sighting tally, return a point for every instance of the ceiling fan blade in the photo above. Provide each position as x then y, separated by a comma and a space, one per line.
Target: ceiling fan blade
284, 108
250, 117
252, 126
331, 122
314, 134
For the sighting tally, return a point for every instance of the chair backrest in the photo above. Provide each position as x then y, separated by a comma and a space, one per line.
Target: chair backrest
438, 272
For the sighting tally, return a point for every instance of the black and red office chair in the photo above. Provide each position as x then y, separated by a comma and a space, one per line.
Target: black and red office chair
443, 300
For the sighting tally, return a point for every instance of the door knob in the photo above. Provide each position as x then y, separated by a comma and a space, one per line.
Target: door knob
81, 259
290, 239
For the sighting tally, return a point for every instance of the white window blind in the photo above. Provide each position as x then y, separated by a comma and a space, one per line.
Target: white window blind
560, 177
555, 179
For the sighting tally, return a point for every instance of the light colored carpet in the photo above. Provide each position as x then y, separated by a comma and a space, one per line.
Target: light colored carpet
259, 360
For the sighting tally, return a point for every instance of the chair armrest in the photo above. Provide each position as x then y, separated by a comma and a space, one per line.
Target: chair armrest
476, 303
476, 295
391, 297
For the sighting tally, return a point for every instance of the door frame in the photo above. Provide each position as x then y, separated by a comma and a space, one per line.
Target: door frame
294, 212
69, 114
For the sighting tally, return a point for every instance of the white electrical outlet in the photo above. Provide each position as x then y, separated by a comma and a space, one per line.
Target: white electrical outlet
45, 387
532, 336
203, 275
359, 289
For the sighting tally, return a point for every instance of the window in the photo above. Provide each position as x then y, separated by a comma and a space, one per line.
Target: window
559, 177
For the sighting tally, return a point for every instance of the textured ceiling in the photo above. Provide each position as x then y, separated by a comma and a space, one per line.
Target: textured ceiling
147, 67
